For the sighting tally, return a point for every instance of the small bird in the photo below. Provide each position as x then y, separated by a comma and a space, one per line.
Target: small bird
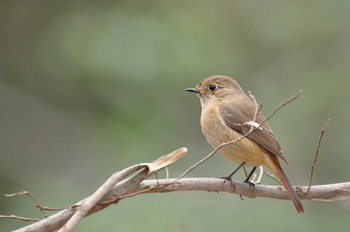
228, 114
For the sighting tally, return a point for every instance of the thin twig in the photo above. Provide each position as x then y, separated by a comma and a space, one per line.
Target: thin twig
286, 102
272, 177
37, 203
27, 219
316, 154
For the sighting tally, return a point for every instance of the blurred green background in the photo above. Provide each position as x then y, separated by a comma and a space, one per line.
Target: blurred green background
91, 87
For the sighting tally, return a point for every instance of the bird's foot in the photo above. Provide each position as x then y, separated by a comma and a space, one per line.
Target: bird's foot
251, 184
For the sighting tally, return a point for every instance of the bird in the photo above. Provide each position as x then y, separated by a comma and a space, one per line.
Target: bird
228, 113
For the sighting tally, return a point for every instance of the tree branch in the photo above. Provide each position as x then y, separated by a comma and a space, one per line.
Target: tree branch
122, 190
328, 191
316, 154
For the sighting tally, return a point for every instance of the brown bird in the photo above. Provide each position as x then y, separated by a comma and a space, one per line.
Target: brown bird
228, 114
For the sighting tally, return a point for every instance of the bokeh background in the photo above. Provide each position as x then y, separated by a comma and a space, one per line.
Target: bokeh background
91, 87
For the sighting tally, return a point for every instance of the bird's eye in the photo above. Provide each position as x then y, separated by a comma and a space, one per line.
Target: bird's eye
212, 87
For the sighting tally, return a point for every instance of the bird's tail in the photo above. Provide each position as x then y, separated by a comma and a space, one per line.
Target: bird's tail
292, 194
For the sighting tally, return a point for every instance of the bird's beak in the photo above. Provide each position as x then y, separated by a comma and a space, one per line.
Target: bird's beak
193, 90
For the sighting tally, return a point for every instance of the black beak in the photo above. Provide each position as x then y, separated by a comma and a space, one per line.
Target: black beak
193, 90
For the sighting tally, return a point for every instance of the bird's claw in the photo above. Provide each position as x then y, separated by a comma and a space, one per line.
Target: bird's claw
251, 185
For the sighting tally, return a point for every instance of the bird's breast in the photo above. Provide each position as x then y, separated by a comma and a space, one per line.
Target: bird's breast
217, 132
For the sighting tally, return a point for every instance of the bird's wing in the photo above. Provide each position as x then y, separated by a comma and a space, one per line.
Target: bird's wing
238, 120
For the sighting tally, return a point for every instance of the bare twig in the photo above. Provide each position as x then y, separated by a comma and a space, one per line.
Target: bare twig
20, 218
37, 203
316, 154
272, 177
286, 102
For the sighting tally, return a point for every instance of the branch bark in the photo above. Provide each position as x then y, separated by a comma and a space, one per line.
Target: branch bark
328, 191
122, 190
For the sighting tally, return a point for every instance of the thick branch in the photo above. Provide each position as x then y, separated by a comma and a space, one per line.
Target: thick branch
218, 185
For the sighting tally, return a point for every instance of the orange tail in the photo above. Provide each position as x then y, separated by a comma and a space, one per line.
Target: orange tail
276, 168
292, 194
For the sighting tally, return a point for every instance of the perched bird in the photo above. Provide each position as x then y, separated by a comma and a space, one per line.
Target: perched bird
228, 114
